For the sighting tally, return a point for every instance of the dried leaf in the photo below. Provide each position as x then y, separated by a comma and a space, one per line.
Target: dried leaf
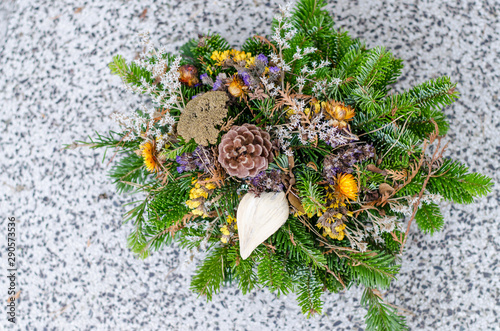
143, 14
78, 10
373, 168
295, 202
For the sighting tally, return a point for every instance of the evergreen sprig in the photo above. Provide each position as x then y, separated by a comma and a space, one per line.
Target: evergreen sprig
429, 218
309, 293
455, 183
374, 269
381, 316
212, 273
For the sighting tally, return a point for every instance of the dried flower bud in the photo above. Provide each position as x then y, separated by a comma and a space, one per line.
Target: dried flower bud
236, 88
188, 75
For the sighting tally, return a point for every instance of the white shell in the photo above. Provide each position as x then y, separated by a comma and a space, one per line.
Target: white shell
258, 218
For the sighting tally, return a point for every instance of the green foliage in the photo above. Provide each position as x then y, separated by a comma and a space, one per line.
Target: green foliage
112, 140
378, 69
137, 238
191, 237
381, 316
299, 243
212, 273
339, 44
198, 52
243, 270
429, 218
128, 173
166, 209
454, 183
392, 246
374, 269
272, 273
153, 217
255, 46
341, 269
130, 74
396, 144
435, 93
309, 293
310, 19
311, 194
178, 149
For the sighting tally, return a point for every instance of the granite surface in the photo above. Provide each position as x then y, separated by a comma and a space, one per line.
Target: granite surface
75, 271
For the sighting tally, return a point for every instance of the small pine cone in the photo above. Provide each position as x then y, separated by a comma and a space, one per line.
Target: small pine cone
245, 150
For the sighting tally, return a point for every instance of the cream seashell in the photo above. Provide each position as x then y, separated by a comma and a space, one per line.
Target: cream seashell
258, 218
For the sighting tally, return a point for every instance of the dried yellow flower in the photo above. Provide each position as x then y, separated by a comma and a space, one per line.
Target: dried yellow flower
346, 187
148, 152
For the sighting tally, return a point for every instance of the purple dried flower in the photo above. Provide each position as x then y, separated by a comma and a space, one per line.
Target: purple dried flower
201, 159
180, 159
274, 70
266, 182
205, 79
343, 161
245, 76
262, 58
218, 84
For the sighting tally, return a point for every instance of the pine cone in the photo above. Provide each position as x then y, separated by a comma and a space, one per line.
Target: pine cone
245, 150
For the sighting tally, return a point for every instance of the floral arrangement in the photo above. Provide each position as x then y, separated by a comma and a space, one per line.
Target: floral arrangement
290, 161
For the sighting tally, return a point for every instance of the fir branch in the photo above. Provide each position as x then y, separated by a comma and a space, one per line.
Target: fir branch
211, 274
311, 194
380, 315
273, 274
311, 19
309, 293
454, 183
137, 240
243, 270
433, 94
374, 68
429, 218
298, 242
257, 45
373, 269
128, 173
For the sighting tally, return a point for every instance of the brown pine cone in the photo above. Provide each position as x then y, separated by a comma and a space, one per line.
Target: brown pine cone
245, 150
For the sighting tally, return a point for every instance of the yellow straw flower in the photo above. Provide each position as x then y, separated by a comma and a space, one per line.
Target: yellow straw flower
338, 112
148, 154
346, 187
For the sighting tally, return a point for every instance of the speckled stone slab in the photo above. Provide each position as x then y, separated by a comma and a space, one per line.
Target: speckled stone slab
75, 271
